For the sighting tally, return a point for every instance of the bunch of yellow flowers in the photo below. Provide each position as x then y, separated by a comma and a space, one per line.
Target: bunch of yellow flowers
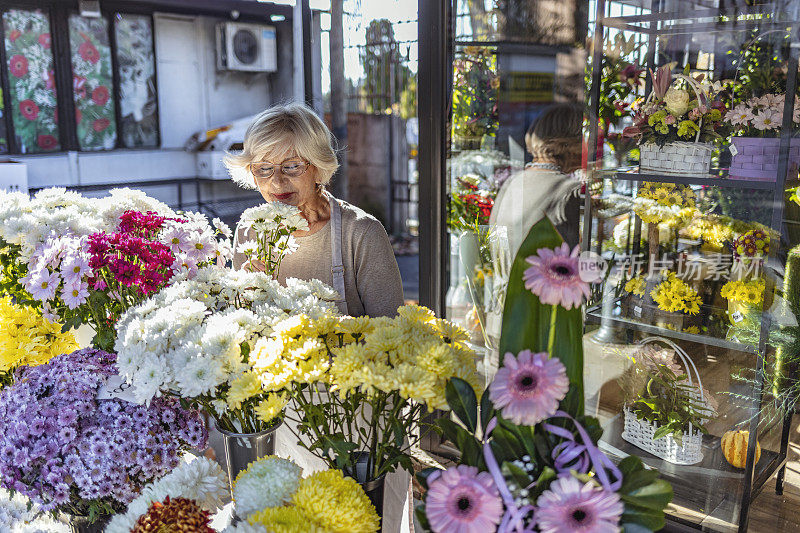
667, 194
636, 285
713, 229
674, 295
27, 338
325, 502
747, 292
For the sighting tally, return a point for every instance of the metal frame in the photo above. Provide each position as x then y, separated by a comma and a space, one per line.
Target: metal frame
752, 484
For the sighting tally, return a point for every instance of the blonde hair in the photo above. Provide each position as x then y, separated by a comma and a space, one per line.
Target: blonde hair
278, 130
556, 135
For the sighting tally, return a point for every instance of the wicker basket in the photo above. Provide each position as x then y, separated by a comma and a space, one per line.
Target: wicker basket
676, 158
640, 432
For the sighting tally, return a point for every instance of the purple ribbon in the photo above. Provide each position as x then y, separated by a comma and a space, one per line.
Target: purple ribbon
574, 455
513, 519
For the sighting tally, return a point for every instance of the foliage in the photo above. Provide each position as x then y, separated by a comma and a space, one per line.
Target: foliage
656, 393
643, 494
475, 85
387, 76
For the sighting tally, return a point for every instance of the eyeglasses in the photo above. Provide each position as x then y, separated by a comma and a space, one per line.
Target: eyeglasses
291, 168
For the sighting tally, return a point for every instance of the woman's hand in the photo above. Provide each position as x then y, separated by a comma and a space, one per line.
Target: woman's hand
254, 265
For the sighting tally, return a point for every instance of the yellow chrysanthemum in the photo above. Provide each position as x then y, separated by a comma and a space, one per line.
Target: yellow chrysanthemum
271, 408
336, 503
243, 388
27, 338
439, 360
286, 520
636, 286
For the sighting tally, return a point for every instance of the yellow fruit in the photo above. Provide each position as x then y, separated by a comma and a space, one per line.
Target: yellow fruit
734, 447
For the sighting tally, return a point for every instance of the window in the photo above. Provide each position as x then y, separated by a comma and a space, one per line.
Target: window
31, 79
92, 85
137, 74
111, 109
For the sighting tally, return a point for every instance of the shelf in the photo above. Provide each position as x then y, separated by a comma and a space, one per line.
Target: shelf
707, 493
711, 180
706, 20
594, 315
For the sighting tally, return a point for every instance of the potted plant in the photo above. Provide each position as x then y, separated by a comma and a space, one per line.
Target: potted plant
665, 409
676, 124
755, 147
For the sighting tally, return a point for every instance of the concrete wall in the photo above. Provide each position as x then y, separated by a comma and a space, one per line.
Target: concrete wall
377, 152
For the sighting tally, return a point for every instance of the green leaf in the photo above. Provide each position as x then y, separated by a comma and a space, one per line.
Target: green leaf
467, 444
487, 410
462, 400
526, 320
655, 495
515, 473
661, 432
423, 475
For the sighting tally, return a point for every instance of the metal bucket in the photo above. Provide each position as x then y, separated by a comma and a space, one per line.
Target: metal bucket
241, 449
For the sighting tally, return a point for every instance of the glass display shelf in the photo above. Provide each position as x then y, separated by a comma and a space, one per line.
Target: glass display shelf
716, 178
715, 336
712, 481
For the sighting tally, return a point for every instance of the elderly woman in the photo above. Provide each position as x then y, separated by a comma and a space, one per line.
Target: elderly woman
288, 157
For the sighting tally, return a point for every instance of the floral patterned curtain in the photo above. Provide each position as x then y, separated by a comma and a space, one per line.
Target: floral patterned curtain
31, 80
92, 83
137, 73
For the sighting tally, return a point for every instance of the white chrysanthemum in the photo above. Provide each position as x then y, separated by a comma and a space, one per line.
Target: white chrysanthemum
199, 479
222, 227
200, 376
268, 482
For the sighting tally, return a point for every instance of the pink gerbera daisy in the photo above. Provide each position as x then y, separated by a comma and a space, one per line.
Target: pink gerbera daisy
461, 500
569, 506
527, 388
555, 277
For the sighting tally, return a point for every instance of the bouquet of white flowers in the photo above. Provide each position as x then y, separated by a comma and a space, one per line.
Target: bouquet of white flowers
273, 224
193, 340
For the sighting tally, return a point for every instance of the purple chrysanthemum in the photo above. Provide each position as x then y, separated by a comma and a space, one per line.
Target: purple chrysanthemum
461, 500
555, 277
527, 388
569, 506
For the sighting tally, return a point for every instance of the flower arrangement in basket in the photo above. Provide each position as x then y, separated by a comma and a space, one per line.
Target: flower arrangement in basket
272, 495
676, 124
755, 146
529, 457
665, 410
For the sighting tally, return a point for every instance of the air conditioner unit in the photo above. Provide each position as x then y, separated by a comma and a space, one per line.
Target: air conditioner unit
246, 47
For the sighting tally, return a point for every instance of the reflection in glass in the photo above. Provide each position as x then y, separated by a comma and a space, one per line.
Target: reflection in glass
31, 80
137, 71
92, 83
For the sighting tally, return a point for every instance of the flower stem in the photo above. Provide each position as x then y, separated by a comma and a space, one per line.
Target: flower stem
552, 339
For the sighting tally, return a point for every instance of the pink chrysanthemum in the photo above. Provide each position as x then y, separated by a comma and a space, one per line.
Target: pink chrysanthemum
461, 500
555, 277
527, 388
569, 506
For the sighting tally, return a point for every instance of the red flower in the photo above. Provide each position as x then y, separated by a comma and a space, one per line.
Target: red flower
14, 35
47, 142
79, 86
100, 124
18, 65
29, 109
88, 52
44, 40
100, 95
